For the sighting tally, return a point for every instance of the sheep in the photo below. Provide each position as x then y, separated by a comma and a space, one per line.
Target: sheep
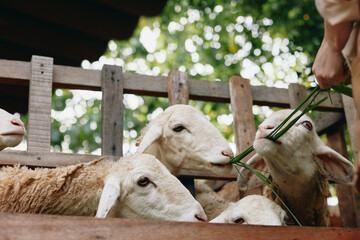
212, 203
12, 130
252, 209
182, 137
300, 164
137, 186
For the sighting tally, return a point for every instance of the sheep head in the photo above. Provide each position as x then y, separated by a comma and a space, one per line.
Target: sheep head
141, 187
253, 209
295, 157
12, 130
183, 138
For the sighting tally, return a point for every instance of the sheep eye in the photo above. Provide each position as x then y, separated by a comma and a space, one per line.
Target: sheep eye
143, 181
178, 128
239, 220
307, 125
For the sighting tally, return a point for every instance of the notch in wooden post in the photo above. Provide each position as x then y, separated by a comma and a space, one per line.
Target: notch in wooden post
112, 110
178, 89
40, 93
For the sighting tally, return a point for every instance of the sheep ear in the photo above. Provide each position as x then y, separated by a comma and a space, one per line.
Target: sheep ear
247, 179
152, 134
109, 196
332, 165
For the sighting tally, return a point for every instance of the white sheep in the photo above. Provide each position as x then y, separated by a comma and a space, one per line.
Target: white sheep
136, 186
253, 209
11, 130
300, 164
182, 137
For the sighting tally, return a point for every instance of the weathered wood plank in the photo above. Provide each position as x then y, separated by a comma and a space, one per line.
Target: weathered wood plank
72, 77
328, 120
350, 113
29, 226
112, 116
39, 133
345, 193
244, 123
178, 89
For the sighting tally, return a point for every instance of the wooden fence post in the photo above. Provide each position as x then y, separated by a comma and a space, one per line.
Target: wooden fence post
112, 110
244, 124
345, 194
40, 93
178, 93
350, 113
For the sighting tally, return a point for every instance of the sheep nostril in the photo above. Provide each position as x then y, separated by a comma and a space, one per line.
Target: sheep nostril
228, 154
200, 218
269, 127
17, 123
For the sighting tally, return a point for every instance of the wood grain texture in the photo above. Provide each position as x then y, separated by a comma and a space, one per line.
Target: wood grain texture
345, 193
244, 123
112, 115
28, 226
40, 93
350, 113
71, 77
178, 89
241, 106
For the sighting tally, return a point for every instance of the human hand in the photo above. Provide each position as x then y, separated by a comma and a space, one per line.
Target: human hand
328, 66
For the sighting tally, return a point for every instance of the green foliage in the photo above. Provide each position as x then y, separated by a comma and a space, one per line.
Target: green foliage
210, 40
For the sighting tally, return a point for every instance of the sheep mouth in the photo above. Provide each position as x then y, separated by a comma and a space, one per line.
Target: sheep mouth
12, 134
220, 165
274, 141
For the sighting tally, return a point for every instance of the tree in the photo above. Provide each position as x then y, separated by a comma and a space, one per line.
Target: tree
269, 42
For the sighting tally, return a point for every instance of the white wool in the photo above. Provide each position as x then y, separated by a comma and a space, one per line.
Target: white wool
137, 186
182, 137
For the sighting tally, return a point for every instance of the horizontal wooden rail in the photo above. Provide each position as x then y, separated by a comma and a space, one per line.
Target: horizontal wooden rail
18, 72
29, 226
54, 159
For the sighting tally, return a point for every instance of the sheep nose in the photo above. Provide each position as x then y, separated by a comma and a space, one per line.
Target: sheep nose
266, 127
200, 217
228, 154
16, 122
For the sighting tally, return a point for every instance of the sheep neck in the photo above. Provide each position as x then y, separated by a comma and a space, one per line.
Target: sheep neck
307, 202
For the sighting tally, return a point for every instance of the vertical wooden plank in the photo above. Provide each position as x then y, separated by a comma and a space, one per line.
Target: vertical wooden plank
112, 110
351, 119
178, 88
178, 93
297, 93
244, 124
40, 91
345, 193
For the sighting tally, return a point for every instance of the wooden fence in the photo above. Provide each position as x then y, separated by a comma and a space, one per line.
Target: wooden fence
42, 76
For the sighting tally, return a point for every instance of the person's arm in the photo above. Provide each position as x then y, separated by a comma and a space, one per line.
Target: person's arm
328, 66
